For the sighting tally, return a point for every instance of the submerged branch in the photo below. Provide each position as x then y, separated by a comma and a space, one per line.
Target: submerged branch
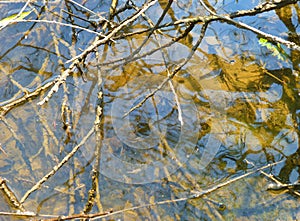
25, 98
193, 195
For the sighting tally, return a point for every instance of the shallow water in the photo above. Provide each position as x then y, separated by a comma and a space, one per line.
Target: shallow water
234, 108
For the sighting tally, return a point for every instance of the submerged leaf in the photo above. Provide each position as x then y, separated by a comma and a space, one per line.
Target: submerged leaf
14, 17
276, 50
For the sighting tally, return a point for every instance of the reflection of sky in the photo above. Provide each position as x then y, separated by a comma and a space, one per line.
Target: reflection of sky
233, 6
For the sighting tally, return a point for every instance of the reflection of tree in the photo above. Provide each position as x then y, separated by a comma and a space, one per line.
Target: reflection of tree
144, 39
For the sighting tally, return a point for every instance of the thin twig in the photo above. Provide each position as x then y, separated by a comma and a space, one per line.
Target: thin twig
257, 10
94, 193
17, 16
174, 40
3, 151
279, 184
88, 10
198, 194
159, 87
269, 37
194, 195
107, 38
55, 22
200, 19
57, 167
77, 59
153, 29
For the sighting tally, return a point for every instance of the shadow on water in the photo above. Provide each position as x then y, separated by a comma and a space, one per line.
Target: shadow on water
233, 107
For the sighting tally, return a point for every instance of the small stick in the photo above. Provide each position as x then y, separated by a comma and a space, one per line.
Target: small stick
10, 196
3, 151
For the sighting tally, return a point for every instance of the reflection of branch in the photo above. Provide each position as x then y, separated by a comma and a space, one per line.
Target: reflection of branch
88, 10
206, 19
163, 52
94, 192
114, 31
